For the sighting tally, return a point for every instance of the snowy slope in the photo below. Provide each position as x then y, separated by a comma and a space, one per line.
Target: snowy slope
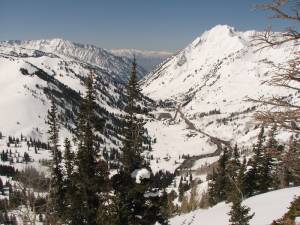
117, 66
220, 63
147, 59
267, 207
209, 81
28, 77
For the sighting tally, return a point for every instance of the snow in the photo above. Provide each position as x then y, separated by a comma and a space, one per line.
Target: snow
174, 140
21, 112
24, 104
118, 67
219, 70
267, 207
278, 201
140, 174
204, 162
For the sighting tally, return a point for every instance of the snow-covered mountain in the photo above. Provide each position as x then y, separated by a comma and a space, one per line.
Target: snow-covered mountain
147, 59
31, 71
117, 66
202, 92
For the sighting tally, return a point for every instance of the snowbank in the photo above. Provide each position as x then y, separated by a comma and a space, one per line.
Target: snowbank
140, 174
267, 207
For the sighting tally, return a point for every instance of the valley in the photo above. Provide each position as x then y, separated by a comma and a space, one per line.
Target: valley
195, 106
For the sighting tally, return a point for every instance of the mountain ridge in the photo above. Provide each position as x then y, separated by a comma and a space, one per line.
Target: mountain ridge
210, 81
84, 52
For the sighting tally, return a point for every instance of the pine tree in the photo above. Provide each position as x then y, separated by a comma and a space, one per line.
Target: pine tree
136, 204
239, 214
219, 180
290, 166
241, 179
266, 180
272, 143
69, 157
91, 176
131, 194
232, 172
56, 195
181, 189
254, 174
133, 132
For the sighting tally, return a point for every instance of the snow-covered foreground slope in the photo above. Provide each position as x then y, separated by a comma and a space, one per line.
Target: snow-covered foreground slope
147, 59
208, 82
267, 207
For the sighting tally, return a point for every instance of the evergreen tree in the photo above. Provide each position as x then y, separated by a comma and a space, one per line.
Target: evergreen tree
219, 180
213, 190
26, 157
241, 179
290, 167
69, 160
133, 132
69, 157
239, 214
137, 203
266, 180
254, 174
232, 172
91, 176
272, 143
56, 195
181, 189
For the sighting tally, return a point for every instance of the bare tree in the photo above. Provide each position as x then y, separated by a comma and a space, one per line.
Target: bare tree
284, 10
282, 110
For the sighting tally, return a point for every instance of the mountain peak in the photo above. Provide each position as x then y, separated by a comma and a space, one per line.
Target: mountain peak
220, 32
222, 28
58, 42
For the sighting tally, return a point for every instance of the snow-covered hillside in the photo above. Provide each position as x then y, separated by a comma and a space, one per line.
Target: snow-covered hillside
267, 207
147, 59
28, 76
118, 67
200, 91
205, 85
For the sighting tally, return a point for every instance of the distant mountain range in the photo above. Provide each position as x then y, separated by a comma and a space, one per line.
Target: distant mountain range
147, 59
119, 67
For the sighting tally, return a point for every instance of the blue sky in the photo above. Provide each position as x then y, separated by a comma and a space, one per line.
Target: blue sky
142, 24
